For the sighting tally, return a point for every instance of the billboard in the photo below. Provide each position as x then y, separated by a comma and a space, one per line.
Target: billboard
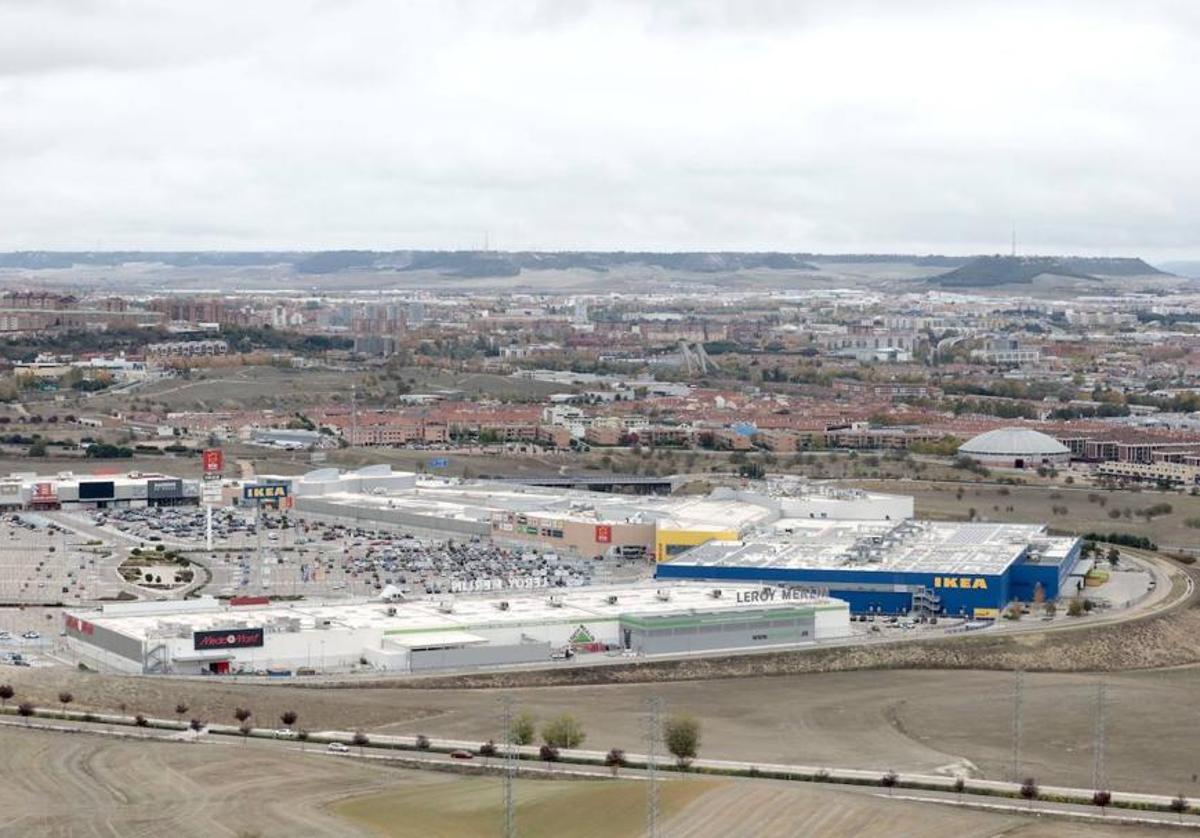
213, 460
164, 489
603, 534
265, 491
96, 490
238, 638
44, 493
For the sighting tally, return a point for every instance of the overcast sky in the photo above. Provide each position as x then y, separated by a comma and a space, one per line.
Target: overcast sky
893, 125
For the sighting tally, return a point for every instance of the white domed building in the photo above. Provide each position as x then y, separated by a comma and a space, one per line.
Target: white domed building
1016, 448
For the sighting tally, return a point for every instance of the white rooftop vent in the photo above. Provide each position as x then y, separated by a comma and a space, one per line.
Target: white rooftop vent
502, 605
663, 595
446, 606
611, 599
555, 601
716, 593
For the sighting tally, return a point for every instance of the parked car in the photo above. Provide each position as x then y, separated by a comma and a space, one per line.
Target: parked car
338, 748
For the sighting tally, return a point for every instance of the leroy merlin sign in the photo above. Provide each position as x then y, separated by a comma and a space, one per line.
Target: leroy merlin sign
582, 636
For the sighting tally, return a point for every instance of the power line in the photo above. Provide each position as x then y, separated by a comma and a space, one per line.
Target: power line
1018, 700
510, 767
655, 706
1099, 778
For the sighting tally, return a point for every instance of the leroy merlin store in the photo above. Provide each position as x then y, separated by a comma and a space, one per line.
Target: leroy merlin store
515, 628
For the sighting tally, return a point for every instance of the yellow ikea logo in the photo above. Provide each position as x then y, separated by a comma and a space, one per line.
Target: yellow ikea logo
265, 491
976, 583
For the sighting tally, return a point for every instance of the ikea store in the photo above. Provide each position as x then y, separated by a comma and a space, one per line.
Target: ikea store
970, 570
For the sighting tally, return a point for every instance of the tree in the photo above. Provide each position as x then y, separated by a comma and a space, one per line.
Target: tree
422, 742
288, 717
65, 698
523, 729
140, 720
1075, 608
1179, 805
563, 732
181, 710
6, 692
361, 740
242, 714
38, 449
487, 749
960, 785
889, 780
1029, 790
1102, 799
548, 753
1113, 556
25, 709
681, 733
615, 759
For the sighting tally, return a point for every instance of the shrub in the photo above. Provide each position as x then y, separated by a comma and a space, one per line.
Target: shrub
487, 749
548, 753
140, 720
563, 732
682, 736
422, 742
522, 730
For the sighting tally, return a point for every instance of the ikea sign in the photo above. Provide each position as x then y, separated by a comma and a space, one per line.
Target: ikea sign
265, 491
976, 583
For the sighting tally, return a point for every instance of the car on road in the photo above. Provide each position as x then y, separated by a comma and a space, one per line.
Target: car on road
31, 635
338, 748
461, 754
285, 733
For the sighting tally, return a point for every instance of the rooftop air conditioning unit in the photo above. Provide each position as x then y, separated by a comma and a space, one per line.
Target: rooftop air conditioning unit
502, 605
555, 602
716, 593
391, 612
663, 595
611, 599
446, 606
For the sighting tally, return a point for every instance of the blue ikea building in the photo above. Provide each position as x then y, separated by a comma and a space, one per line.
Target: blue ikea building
967, 570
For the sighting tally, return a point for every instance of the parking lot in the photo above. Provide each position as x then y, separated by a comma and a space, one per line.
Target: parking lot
278, 554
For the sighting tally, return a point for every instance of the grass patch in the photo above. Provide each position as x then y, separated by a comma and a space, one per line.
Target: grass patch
473, 806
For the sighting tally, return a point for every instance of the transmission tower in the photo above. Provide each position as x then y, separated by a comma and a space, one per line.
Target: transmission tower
1099, 780
1018, 700
653, 726
510, 767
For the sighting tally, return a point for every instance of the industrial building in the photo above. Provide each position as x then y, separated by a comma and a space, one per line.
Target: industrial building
208, 636
71, 491
921, 567
577, 522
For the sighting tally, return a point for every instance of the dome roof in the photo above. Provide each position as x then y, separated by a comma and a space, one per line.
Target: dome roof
1013, 441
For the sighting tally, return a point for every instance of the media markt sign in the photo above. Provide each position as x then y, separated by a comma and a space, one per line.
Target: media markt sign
582, 637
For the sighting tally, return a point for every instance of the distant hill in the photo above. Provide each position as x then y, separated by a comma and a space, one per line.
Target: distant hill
964, 271
988, 271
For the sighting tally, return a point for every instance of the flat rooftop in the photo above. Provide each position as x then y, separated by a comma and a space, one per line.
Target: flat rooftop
477, 501
427, 616
885, 546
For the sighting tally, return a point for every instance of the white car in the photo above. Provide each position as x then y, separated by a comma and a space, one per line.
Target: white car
285, 733
31, 635
338, 748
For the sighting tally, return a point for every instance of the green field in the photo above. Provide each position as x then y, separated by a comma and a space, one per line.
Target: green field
609, 808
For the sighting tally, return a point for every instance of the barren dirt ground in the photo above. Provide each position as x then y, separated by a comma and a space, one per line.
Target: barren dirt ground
901, 720
54, 784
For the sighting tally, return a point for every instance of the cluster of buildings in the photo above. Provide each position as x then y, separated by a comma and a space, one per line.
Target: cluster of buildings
774, 565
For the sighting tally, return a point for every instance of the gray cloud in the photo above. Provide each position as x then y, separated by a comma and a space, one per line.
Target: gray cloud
754, 124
